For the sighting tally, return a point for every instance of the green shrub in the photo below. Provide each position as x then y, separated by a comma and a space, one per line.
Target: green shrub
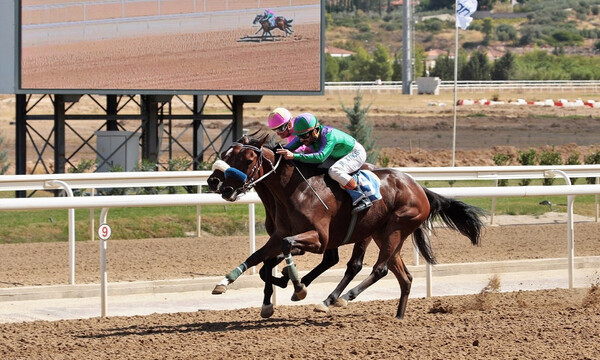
527, 158
83, 166
592, 159
550, 157
501, 159
573, 159
4, 164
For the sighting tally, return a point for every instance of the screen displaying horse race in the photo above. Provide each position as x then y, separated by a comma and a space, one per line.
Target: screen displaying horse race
171, 46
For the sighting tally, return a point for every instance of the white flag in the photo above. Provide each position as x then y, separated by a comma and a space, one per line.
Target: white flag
464, 10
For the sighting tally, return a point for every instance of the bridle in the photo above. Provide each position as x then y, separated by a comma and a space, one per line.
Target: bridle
250, 182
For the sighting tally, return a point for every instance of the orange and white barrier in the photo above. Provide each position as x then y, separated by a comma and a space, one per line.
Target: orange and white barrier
547, 102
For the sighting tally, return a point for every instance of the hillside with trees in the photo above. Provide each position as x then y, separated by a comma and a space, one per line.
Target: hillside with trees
530, 40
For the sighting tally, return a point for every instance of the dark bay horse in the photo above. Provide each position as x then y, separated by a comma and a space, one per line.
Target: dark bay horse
330, 256
302, 223
281, 23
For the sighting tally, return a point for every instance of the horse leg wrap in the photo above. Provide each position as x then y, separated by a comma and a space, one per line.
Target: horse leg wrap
291, 268
235, 273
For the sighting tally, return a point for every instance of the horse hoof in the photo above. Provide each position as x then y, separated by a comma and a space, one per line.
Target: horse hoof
219, 289
341, 302
300, 295
266, 311
321, 308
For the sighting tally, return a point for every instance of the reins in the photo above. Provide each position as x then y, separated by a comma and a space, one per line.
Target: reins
248, 185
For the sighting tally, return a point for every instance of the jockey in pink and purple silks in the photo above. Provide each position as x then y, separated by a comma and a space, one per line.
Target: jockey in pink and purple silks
281, 121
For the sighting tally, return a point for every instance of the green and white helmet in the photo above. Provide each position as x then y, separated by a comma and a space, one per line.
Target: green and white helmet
304, 123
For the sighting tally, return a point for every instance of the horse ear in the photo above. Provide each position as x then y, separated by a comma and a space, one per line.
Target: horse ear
263, 139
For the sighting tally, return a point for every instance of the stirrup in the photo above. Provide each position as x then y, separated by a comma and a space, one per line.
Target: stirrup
362, 205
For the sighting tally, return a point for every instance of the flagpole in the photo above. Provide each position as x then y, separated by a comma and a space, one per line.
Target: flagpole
455, 78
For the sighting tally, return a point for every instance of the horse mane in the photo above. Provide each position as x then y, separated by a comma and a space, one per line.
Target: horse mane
271, 143
267, 140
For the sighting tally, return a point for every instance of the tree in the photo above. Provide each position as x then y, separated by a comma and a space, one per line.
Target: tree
397, 68
381, 66
359, 66
332, 68
444, 68
503, 68
4, 164
488, 30
359, 128
478, 67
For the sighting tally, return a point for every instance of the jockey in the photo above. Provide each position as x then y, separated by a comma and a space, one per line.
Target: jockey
270, 16
326, 142
281, 121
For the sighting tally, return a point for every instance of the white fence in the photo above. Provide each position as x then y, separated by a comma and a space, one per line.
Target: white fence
469, 86
104, 180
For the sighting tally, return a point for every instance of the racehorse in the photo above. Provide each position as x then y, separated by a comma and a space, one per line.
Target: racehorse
281, 23
330, 256
302, 223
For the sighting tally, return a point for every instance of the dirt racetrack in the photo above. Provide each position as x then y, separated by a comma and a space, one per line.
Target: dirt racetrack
524, 325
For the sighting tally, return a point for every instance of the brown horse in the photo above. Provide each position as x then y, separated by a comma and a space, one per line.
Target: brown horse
281, 23
330, 256
302, 223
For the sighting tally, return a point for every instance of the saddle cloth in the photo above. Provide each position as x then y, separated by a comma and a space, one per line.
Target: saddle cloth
369, 183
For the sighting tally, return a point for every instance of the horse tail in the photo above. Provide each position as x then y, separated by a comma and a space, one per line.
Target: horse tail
421, 241
456, 215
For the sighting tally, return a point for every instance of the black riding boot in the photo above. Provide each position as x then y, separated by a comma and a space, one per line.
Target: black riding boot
360, 201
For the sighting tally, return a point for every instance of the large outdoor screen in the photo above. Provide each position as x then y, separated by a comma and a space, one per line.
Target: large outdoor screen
170, 46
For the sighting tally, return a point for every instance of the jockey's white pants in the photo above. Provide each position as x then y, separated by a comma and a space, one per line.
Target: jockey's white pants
348, 164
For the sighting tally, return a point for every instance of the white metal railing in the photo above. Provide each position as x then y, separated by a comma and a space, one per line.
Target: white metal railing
529, 85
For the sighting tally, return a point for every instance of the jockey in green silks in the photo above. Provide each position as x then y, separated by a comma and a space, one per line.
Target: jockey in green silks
327, 142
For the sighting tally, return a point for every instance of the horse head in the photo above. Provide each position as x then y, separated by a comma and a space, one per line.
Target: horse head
257, 19
245, 164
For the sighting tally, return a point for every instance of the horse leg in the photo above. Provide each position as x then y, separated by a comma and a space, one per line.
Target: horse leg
269, 250
265, 272
284, 279
307, 241
399, 269
330, 258
267, 310
352, 269
380, 269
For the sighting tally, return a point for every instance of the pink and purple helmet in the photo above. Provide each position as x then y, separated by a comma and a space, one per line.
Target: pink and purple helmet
278, 117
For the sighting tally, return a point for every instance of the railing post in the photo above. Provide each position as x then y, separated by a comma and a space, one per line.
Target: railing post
493, 204
103, 275
252, 233
570, 226
428, 274
92, 229
71, 212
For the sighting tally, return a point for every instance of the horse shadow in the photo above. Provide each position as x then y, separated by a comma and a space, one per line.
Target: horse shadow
208, 326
